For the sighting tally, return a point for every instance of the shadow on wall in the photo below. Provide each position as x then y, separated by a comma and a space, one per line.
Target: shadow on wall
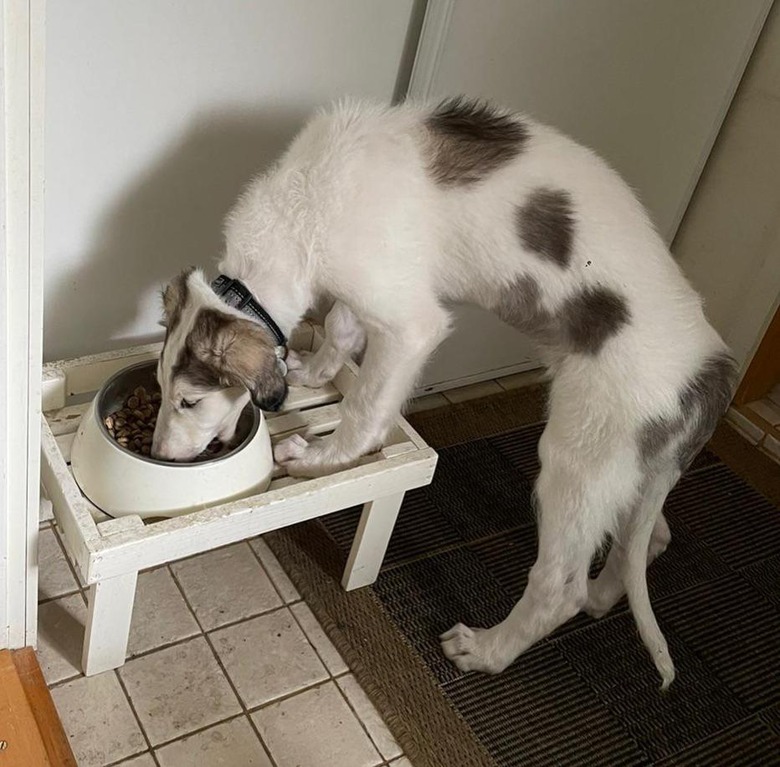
169, 218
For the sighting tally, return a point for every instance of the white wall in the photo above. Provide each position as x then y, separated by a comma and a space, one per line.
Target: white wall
157, 112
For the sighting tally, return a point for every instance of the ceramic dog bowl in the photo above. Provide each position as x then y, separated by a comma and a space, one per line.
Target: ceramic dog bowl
120, 482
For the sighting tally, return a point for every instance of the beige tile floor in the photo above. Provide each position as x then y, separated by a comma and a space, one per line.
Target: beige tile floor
217, 673
759, 422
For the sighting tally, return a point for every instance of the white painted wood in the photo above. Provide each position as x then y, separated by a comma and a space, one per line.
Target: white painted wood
110, 550
203, 530
66, 420
21, 239
108, 623
75, 522
53, 393
316, 421
373, 534
433, 36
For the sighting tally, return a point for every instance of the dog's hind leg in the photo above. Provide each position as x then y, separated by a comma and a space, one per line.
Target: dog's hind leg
578, 495
606, 590
344, 338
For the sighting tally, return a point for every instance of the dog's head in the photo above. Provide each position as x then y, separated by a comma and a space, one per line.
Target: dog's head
213, 360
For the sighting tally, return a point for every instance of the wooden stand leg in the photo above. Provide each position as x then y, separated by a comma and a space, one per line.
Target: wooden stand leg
371, 539
108, 623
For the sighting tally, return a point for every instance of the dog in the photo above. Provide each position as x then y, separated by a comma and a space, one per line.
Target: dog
393, 214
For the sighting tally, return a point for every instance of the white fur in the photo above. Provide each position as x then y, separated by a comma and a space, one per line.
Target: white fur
351, 214
182, 433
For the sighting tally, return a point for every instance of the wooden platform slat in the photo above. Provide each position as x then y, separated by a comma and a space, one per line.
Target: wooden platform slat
315, 421
66, 420
300, 397
235, 521
65, 444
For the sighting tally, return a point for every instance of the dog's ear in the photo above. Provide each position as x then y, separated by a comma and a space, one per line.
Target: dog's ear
174, 298
239, 352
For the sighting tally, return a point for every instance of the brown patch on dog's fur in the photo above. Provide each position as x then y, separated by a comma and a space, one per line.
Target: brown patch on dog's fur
581, 325
221, 350
175, 298
470, 140
545, 224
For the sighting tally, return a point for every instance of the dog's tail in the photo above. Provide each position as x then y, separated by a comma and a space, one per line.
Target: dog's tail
634, 576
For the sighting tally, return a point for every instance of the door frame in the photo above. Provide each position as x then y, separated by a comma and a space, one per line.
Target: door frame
22, 46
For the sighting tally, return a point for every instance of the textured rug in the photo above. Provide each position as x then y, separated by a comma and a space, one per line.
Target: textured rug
588, 694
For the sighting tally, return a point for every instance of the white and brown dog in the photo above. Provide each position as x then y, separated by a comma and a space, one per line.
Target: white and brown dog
392, 213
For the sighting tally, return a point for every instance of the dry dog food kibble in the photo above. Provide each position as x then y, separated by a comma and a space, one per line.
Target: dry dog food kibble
132, 426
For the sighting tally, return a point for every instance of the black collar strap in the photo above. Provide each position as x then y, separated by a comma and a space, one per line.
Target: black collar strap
234, 293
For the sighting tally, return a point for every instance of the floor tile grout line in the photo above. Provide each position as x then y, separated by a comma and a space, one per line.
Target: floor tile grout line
289, 695
182, 640
268, 574
222, 668
311, 642
126, 759
331, 677
244, 709
199, 730
64, 595
358, 717
135, 712
246, 712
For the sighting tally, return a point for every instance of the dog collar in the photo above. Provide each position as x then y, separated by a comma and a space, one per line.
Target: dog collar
234, 293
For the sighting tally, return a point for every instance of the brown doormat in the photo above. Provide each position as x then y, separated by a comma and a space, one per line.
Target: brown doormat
587, 695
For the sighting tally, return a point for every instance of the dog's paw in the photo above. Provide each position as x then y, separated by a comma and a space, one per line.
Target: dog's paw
473, 650
300, 458
291, 449
301, 372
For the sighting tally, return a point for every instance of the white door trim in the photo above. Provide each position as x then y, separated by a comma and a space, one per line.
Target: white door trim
433, 35
22, 44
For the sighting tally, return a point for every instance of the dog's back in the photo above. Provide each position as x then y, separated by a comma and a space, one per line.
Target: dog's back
484, 206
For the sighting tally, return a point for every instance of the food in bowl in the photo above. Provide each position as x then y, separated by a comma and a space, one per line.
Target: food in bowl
120, 481
132, 425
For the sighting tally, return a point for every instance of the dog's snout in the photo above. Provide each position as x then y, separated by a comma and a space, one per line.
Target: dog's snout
273, 403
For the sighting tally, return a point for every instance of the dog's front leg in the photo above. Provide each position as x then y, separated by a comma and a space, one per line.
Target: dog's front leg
344, 337
392, 362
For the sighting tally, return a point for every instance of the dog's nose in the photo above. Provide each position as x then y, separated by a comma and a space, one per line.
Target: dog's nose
273, 403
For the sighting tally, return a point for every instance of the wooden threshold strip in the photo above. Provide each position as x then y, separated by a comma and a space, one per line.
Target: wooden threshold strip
31, 734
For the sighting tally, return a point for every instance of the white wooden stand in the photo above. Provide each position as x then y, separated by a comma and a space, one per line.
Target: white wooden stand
110, 552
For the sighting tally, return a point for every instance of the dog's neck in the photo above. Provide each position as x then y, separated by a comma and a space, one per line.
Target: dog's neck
287, 301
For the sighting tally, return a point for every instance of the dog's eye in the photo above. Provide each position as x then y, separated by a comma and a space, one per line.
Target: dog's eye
186, 404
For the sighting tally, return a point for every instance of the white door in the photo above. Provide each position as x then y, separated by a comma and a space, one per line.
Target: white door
646, 83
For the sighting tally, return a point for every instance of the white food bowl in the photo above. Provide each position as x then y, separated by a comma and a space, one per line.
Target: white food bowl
120, 482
